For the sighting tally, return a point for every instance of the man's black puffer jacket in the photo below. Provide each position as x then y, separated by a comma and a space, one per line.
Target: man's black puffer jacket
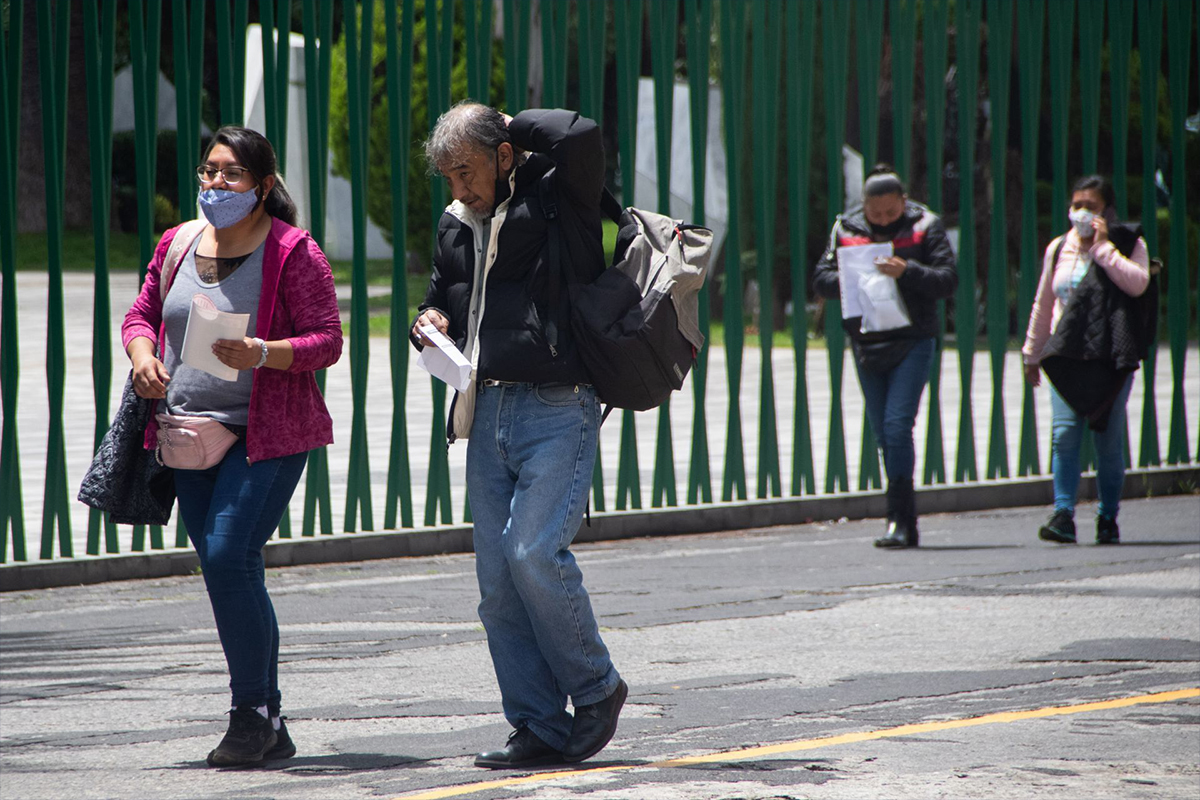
512, 338
929, 276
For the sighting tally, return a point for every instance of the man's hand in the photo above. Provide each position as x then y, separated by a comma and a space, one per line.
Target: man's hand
150, 378
893, 267
431, 317
241, 353
1033, 374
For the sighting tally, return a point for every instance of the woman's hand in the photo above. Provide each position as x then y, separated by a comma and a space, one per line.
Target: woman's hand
150, 378
1100, 226
893, 267
241, 353
1033, 374
432, 317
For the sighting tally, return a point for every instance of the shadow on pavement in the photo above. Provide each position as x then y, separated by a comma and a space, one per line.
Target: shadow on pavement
949, 547
335, 763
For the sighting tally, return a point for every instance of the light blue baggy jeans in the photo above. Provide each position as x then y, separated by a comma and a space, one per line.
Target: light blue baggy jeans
529, 468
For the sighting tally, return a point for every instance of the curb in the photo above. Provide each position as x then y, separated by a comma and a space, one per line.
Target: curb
608, 526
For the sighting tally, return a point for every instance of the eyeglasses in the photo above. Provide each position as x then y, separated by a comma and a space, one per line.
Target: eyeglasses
232, 175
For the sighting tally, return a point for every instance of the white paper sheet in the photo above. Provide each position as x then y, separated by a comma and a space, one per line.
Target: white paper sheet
444, 361
854, 264
204, 327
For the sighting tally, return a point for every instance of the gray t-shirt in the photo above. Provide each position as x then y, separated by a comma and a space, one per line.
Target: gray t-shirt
193, 392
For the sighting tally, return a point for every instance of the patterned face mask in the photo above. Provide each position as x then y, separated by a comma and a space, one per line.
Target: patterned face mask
223, 208
1082, 218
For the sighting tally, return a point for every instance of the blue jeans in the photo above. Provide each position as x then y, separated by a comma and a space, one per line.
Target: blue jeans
230, 511
892, 399
529, 469
1067, 428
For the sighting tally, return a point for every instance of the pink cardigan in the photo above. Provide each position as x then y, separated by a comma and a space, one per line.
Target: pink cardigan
1131, 275
298, 303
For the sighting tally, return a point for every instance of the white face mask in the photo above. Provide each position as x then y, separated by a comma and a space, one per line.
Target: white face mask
1082, 218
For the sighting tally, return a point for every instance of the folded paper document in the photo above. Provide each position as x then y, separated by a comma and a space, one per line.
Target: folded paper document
444, 361
205, 326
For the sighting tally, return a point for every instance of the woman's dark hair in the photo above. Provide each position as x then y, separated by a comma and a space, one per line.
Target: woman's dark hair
1098, 184
881, 180
255, 153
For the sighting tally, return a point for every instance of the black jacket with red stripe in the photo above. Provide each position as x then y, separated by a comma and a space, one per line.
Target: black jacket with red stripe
929, 277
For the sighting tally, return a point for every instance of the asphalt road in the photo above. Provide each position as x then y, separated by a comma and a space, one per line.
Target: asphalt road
803, 641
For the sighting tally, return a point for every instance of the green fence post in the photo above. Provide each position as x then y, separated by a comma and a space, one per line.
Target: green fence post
1149, 23
800, 26
664, 34
478, 14
766, 16
934, 47
835, 26
1091, 42
53, 21
554, 18
1061, 47
145, 44
1030, 34
592, 52
187, 27
399, 90
439, 42
733, 70
231, 21
276, 25
1120, 42
1179, 43
318, 45
999, 33
12, 508
99, 42
966, 62
902, 24
868, 42
516, 54
1198, 255
359, 40
628, 40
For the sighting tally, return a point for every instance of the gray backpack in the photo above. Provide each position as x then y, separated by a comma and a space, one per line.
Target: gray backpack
637, 325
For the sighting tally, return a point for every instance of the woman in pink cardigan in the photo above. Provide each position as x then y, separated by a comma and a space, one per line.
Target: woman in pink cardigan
1094, 242
248, 259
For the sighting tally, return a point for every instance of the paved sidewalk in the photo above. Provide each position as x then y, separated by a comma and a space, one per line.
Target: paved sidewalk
32, 415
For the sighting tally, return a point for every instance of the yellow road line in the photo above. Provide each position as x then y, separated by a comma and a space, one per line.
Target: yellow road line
813, 744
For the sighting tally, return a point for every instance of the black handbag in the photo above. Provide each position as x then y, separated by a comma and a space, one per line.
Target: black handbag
125, 479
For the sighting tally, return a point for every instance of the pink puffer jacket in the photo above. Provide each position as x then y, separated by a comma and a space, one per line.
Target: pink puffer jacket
298, 303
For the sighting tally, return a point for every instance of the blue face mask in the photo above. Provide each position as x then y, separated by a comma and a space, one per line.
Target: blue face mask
223, 208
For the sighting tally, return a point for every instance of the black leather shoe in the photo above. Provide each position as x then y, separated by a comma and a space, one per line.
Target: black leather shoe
1059, 528
595, 725
524, 749
900, 534
249, 737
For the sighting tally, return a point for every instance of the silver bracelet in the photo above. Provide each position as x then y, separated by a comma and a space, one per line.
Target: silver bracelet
263, 346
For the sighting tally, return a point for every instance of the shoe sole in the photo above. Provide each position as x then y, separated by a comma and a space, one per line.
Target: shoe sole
892, 544
1051, 535
278, 753
544, 761
623, 694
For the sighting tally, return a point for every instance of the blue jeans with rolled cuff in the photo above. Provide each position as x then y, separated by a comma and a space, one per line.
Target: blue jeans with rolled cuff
230, 511
529, 470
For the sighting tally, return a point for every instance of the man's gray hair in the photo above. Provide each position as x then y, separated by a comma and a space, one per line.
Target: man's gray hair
468, 126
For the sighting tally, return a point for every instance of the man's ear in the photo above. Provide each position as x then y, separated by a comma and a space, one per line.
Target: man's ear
506, 156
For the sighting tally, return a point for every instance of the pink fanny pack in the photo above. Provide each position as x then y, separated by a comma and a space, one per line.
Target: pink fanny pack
192, 442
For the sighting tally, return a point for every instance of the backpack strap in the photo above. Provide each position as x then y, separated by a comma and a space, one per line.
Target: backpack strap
554, 273
185, 234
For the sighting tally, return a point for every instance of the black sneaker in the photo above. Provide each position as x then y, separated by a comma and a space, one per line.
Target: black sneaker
284, 746
249, 737
1059, 528
1107, 531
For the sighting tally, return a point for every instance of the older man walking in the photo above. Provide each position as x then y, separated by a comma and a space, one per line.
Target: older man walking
499, 290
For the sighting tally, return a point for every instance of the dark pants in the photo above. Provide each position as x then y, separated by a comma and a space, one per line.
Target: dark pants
230, 511
892, 399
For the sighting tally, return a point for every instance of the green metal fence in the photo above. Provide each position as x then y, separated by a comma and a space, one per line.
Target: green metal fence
782, 67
